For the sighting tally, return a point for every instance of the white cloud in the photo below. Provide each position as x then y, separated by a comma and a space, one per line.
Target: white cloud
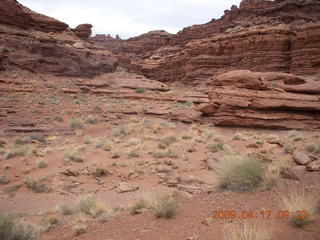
130, 18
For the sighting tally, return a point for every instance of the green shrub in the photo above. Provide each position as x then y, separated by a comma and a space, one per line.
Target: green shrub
140, 90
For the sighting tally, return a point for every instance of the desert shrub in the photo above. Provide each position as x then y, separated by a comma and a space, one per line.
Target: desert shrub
10, 230
16, 151
241, 173
167, 141
42, 164
79, 229
247, 231
58, 118
132, 153
313, 148
74, 155
23, 140
48, 222
164, 205
140, 90
134, 209
64, 209
121, 131
288, 148
301, 205
91, 206
37, 137
91, 119
215, 147
36, 185
76, 123
100, 171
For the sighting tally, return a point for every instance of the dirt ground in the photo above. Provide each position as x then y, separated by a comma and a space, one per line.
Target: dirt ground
145, 134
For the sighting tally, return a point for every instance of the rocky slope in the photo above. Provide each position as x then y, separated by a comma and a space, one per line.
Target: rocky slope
282, 35
40, 44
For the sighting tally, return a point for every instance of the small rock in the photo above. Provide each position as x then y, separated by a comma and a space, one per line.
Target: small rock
189, 188
161, 169
300, 158
4, 180
126, 187
75, 190
313, 166
78, 45
287, 173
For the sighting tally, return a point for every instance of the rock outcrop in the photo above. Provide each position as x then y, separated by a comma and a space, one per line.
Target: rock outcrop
14, 14
267, 100
83, 31
260, 35
40, 44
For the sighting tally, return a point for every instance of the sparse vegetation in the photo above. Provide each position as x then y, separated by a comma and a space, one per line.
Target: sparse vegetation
58, 118
36, 185
288, 148
313, 148
16, 151
164, 205
64, 209
79, 229
248, 231
121, 131
91, 206
301, 205
74, 155
244, 173
92, 119
10, 230
167, 141
133, 153
48, 222
100, 171
135, 208
42, 164
140, 90
76, 123
215, 147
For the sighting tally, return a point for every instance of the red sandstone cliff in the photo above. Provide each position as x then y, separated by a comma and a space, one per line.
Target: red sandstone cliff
41, 44
282, 35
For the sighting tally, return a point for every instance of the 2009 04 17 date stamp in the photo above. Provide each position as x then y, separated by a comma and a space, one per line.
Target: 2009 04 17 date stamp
258, 214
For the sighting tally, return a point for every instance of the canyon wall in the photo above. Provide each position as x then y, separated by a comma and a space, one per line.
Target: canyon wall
260, 35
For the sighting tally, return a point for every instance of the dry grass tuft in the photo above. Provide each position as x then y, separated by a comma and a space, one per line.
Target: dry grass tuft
302, 206
245, 173
10, 230
248, 231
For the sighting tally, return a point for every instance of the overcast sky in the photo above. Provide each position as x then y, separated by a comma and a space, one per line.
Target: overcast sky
130, 18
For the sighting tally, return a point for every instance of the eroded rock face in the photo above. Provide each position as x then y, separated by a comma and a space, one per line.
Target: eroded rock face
14, 14
83, 31
266, 100
260, 35
40, 44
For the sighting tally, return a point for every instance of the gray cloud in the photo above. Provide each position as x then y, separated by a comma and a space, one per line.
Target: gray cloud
130, 18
